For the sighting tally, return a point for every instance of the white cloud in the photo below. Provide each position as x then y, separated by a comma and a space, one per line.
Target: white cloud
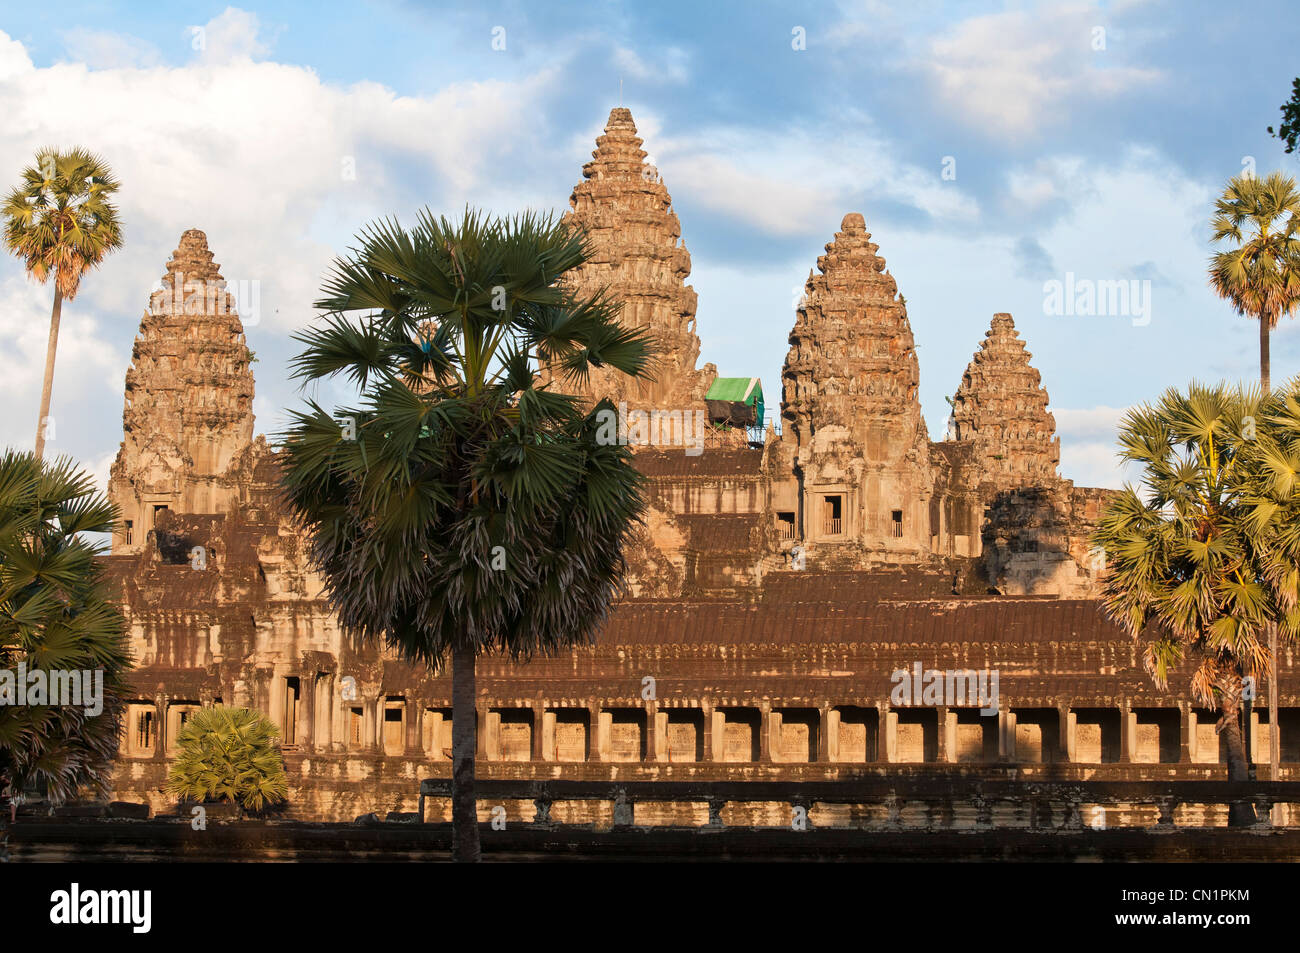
1057, 178
258, 155
791, 183
99, 469
86, 363
103, 49
1089, 448
1091, 464
1016, 72
232, 35
1099, 422
14, 61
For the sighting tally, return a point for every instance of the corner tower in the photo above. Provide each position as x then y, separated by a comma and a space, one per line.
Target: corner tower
189, 397
1001, 407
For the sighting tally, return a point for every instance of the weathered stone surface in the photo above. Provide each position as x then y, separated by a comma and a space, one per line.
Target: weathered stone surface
851, 408
1037, 525
128, 809
1037, 540
640, 257
189, 398
1001, 408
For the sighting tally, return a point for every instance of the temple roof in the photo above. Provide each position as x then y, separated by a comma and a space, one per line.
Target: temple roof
934, 621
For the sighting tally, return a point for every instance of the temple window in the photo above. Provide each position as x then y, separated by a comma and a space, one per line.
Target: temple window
356, 719
394, 742
784, 525
126, 532
291, 694
897, 516
143, 729
832, 508
178, 713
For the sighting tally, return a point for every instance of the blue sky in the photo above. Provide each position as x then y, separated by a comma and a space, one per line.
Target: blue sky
1080, 138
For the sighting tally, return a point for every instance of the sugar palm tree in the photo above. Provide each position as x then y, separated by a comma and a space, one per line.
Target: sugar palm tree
1186, 564
462, 506
57, 613
1272, 493
1260, 275
61, 222
229, 755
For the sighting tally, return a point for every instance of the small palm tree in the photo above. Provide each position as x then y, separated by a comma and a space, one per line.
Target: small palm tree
1185, 564
463, 506
1260, 276
229, 755
61, 223
57, 614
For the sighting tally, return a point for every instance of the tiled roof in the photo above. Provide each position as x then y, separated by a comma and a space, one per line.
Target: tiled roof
953, 620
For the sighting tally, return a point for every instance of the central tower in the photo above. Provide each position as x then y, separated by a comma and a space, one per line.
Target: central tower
851, 408
189, 398
639, 256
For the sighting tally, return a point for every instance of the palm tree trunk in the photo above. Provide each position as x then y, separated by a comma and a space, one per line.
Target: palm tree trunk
48, 385
464, 740
4, 816
1239, 815
1274, 740
1265, 369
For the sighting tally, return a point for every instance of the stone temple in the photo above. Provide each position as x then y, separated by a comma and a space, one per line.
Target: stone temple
781, 581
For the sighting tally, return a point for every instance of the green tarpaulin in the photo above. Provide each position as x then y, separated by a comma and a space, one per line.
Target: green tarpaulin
736, 390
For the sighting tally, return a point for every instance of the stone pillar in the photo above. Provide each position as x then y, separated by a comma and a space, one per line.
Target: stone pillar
947, 736
160, 727
1006, 735
539, 731
652, 730
369, 733
489, 735
381, 706
548, 736
1127, 734
943, 544
1255, 740
323, 721
413, 709
661, 752
276, 704
306, 710
769, 733
828, 734
1187, 734
598, 724
340, 714
714, 738
889, 734
1069, 732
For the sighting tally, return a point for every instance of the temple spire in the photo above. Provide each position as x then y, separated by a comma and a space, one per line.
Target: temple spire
189, 395
1001, 406
850, 401
626, 211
